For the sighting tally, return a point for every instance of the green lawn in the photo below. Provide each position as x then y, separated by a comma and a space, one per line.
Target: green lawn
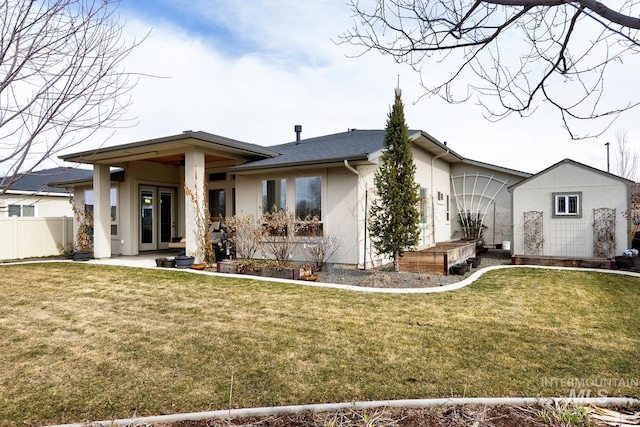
89, 342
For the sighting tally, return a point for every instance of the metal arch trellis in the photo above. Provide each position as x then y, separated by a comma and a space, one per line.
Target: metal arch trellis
472, 213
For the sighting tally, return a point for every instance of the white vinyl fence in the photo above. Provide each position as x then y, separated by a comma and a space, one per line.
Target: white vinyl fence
33, 237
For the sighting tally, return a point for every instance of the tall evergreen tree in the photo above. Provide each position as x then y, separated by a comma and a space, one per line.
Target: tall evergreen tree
394, 215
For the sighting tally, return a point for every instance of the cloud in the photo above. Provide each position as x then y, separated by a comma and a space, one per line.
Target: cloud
267, 66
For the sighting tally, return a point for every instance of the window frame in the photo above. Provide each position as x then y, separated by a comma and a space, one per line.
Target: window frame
283, 196
18, 210
566, 196
448, 209
114, 208
424, 206
300, 222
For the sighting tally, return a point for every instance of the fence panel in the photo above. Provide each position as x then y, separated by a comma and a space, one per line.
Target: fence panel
22, 237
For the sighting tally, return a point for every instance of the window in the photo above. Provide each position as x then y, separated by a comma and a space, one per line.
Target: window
113, 207
218, 176
274, 193
308, 206
308, 197
22, 210
567, 204
440, 196
217, 203
448, 209
14, 210
423, 205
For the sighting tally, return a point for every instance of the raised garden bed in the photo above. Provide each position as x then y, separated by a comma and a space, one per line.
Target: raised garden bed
559, 261
237, 267
440, 258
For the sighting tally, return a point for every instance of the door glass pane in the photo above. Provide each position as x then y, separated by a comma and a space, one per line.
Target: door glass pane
146, 205
165, 217
217, 203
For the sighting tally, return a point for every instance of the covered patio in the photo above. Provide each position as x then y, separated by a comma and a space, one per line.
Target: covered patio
146, 208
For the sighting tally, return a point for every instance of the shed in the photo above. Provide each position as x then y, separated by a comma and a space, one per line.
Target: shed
571, 210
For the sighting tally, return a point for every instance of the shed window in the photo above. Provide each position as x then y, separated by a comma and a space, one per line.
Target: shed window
567, 204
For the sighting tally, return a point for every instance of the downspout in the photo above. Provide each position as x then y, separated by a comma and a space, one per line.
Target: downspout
433, 204
355, 172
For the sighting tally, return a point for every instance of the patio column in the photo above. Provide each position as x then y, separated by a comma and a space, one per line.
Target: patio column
194, 178
101, 211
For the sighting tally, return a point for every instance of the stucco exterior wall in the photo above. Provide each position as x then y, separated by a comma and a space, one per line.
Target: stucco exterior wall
569, 236
498, 216
433, 176
341, 215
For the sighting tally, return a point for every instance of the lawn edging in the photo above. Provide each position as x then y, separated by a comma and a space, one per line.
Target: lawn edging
354, 406
428, 290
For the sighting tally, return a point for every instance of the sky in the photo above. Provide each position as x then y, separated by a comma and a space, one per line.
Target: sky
250, 70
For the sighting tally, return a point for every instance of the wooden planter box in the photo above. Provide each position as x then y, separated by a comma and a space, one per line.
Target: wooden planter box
294, 273
440, 258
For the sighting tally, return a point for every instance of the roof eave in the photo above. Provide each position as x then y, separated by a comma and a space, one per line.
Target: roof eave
310, 164
497, 168
100, 154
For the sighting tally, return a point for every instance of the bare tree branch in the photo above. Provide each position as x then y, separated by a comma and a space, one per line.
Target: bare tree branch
61, 78
510, 56
626, 158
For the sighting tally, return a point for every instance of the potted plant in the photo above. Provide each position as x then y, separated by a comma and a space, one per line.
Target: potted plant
624, 262
83, 246
459, 269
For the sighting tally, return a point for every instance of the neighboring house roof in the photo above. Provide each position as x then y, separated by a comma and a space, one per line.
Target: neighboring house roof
572, 162
40, 182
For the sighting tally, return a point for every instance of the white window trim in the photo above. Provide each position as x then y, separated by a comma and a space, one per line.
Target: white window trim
566, 195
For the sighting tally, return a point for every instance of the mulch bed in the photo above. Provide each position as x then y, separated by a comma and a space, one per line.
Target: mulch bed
462, 416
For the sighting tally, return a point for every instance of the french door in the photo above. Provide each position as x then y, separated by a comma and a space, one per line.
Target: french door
157, 217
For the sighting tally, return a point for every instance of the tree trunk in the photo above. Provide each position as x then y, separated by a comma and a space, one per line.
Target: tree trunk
396, 261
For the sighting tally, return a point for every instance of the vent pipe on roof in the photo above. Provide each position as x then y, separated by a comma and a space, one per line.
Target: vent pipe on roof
298, 131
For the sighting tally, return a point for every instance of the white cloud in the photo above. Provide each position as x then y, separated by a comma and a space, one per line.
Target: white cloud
297, 75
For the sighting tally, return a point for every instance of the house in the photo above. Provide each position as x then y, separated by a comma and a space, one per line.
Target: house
31, 195
571, 210
330, 176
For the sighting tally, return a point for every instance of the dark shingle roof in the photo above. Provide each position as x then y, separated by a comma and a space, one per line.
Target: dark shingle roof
351, 145
37, 181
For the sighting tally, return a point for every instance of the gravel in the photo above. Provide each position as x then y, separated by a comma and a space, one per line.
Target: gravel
383, 277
